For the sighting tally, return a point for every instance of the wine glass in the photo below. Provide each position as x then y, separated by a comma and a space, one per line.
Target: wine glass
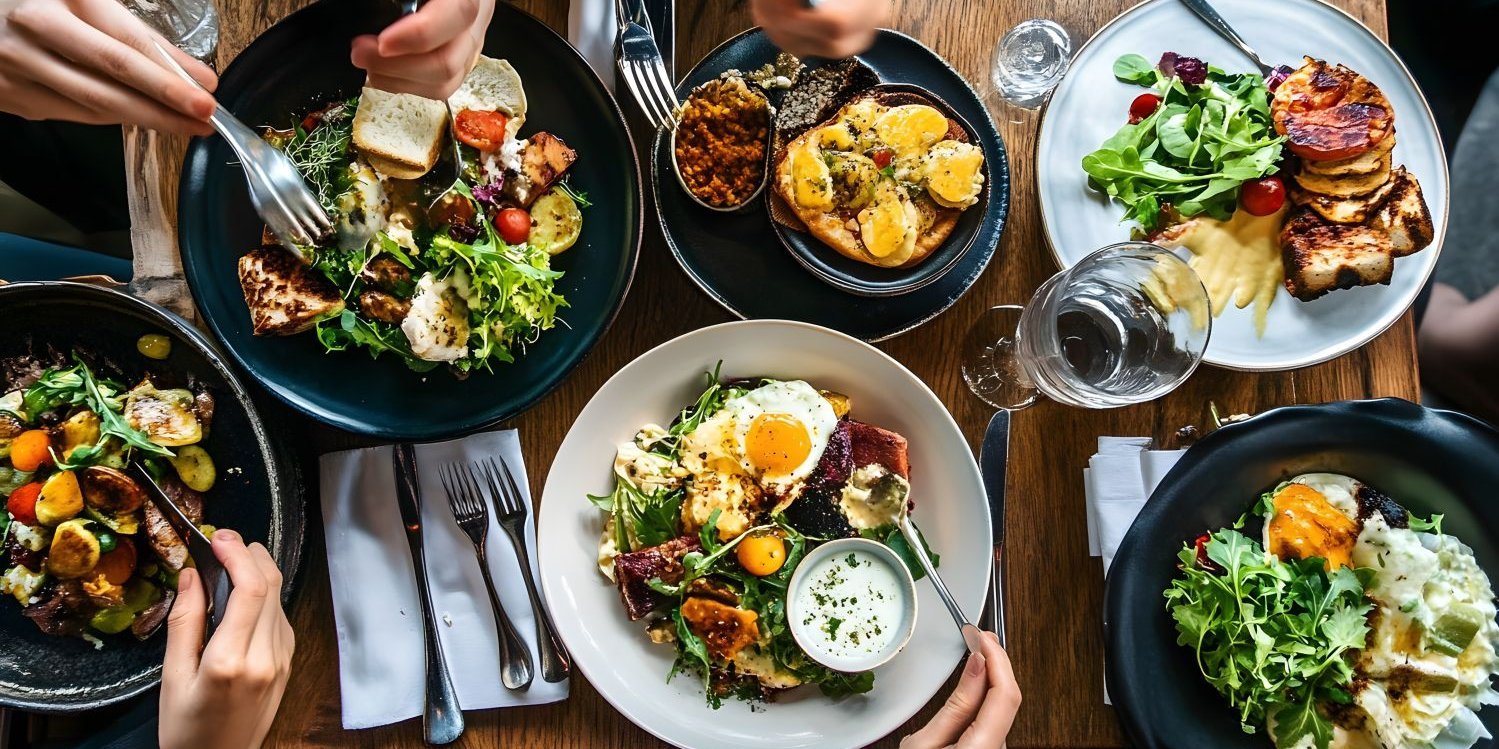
1126, 324
1029, 61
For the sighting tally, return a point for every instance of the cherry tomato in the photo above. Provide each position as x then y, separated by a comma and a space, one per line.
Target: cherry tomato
31, 450
513, 224
482, 130
1142, 107
22, 502
1263, 196
1201, 546
882, 157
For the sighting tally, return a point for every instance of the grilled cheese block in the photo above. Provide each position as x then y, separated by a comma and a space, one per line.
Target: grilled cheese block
284, 295
1405, 217
1321, 256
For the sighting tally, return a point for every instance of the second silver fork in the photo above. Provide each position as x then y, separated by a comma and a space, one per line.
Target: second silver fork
472, 515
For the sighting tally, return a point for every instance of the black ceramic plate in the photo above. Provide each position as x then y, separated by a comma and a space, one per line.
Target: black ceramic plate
1430, 461
304, 60
736, 258
259, 499
867, 280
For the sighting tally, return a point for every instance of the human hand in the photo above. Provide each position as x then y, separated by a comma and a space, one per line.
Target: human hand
427, 53
834, 29
979, 712
92, 61
224, 695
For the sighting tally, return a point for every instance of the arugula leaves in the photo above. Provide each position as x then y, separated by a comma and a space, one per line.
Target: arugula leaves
1193, 152
691, 417
891, 536
349, 329
1271, 636
77, 386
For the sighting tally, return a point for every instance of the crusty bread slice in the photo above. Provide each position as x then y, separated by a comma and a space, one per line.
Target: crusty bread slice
493, 86
284, 295
400, 135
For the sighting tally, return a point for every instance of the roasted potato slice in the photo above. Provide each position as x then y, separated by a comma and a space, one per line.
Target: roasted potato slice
80, 430
61, 499
195, 467
75, 550
840, 402
556, 222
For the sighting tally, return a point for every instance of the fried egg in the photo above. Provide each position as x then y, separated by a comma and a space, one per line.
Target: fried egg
759, 448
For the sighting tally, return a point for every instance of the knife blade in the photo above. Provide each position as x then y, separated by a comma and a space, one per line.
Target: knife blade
216, 583
993, 456
442, 719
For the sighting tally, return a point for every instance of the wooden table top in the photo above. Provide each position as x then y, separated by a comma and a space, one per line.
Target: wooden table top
1054, 630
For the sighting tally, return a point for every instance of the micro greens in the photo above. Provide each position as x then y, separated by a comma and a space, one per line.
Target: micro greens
323, 152
75, 386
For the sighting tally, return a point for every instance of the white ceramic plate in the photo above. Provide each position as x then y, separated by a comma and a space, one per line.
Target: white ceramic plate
614, 653
1090, 105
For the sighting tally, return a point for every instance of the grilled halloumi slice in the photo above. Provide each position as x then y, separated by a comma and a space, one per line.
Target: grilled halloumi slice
284, 295
1404, 216
1321, 256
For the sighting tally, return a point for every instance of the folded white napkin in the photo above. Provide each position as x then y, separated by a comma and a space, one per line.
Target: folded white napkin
375, 606
591, 28
1116, 483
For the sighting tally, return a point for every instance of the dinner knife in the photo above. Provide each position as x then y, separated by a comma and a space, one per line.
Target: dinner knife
215, 578
993, 455
442, 720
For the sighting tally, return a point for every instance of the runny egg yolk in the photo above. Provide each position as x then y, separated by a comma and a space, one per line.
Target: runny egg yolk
777, 443
1306, 525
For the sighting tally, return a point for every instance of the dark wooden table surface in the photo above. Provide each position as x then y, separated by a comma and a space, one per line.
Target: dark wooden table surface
1055, 589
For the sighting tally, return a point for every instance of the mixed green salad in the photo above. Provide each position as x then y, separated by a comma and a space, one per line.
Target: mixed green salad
1191, 142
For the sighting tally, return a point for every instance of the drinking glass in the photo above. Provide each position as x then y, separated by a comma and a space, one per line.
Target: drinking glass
190, 25
1126, 324
1029, 61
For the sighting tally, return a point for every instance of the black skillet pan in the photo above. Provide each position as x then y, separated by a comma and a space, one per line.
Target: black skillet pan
256, 493
1430, 461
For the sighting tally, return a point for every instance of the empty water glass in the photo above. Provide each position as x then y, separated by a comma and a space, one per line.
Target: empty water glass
190, 25
1029, 61
1126, 324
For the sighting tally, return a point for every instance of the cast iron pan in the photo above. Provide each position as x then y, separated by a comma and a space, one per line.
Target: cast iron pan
303, 61
256, 493
1430, 461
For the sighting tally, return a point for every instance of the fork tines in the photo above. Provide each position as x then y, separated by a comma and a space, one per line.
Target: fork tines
507, 495
465, 496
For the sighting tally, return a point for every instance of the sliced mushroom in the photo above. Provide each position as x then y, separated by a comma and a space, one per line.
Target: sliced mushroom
110, 491
387, 274
166, 416
203, 406
150, 619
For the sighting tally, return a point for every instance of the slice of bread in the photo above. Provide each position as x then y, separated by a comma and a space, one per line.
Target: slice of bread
400, 135
492, 86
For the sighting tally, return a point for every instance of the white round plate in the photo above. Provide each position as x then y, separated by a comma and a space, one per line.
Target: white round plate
614, 653
1090, 105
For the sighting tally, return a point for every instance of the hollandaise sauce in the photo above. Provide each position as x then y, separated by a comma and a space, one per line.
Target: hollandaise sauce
1238, 260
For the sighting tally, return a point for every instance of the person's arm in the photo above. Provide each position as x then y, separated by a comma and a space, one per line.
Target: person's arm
834, 29
979, 712
427, 53
224, 695
91, 61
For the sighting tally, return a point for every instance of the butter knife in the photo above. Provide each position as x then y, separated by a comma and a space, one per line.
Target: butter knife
993, 455
442, 721
215, 578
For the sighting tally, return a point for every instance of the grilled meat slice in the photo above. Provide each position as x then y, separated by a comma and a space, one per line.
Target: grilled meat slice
148, 621
1329, 112
1404, 217
164, 540
1321, 256
383, 306
543, 162
284, 295
725, 629
387, 274
871, 445
632, 570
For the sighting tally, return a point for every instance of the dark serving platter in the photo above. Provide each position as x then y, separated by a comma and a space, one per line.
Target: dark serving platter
303, 61
738, 260
257, 493
1428, 460
867, 280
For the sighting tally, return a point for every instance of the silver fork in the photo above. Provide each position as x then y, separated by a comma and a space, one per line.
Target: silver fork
472, 515
277, 190
512, 509
640, 65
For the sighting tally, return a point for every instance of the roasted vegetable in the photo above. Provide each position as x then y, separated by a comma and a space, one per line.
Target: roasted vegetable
79, 430
166, 416
556, 221
61, 499
75, 550
110, 491
195, 467
31, 450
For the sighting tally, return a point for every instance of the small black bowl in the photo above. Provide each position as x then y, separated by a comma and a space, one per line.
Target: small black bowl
832, 267
1430, 461
257, 493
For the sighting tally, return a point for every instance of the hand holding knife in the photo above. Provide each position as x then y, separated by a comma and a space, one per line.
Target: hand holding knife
215, 578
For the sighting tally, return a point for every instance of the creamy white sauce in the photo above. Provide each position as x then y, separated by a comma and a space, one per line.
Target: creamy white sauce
867, 504
851, 605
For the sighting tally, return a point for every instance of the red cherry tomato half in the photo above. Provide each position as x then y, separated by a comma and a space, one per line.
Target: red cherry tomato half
1142, 107
513, 224
482, 130
882, 157
1201, 547
1263, 196
22, 502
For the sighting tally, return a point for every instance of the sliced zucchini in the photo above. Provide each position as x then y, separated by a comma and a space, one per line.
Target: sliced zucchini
556, 222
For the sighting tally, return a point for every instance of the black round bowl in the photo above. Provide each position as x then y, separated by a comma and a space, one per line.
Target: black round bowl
256, 493
1430, 461
864, 279
304, 60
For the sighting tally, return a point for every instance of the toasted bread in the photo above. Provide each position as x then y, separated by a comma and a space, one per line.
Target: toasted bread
493, 86
1404, 216
1328, 112
284, 295
400, 135
1320, 256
